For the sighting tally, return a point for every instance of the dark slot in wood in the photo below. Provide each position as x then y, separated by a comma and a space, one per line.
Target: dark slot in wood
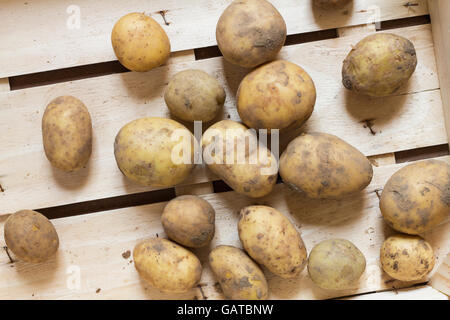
422, 153
219, 186
404, 22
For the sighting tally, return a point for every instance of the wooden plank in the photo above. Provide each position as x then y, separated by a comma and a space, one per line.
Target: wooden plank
47, 35
440, 20
414, 293
441, 279
93, 244
382, 159
4, 85
357, 30
375, 126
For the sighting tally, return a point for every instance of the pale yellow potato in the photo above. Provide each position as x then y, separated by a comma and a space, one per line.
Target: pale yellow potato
322, 166
194, 95
166, 265
271, 240
406, 258
155, 152
189, 220
30, 236
239, 166
239, 277
336, 264
277, 95
67, 133
379, 64
250, 32
139, 42
331, 4
417, 197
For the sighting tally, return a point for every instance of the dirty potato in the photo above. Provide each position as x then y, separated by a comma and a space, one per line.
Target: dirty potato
322, 166
189, 220
271, 240
379, 64
239, 277
139, 42
331, 4
31, 236
67, 133
275, 96
406, 258
194, 95
155, 152
336, 264
417, 197
230, 150
166, 265
250, 32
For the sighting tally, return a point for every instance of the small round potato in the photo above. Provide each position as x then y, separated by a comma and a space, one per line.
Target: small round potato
271, 240
240, 278
275, 96
167, 266
322, 166
379, 64
67, 133
250, 32
194, 95
336, 264
31, 236
331, 4
139, 42
189, 220
417, 197
155, 152
406, 258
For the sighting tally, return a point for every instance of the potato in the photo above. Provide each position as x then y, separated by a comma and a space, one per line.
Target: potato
406, 257
155, 152
331, 4
417, 197
189, 220
31, 236
227, 153
275, 96
139, 42
166, 265
336, 264
239, 277
250, 32
67, 133
322, 166
194, 95
379, 65
271, 240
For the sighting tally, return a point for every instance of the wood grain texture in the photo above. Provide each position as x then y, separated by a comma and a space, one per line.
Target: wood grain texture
415, 293
95, 246
375, 126
44, 35
441, 278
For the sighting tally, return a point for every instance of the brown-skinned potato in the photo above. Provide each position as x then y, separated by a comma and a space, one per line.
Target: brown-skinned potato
322, 166
331, 4
31, 236
250, 32
189, 220
271, 240
417, 197
67, 133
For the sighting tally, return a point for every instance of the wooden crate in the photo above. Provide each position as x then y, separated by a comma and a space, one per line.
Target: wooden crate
100, 216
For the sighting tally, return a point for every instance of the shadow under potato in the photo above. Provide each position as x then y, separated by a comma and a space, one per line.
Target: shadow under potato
329, 18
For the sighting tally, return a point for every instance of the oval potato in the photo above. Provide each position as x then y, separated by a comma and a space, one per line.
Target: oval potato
226, 154
250, 32
276, 95
331, 4
239, 277
67, 133
406, 258
155, 152
31, 236
167, 266
189, 220
271, 240
139, 42
322, 166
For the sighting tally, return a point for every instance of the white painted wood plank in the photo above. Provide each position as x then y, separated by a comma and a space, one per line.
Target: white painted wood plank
414, 293
411, 119
44, 35
94, 244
